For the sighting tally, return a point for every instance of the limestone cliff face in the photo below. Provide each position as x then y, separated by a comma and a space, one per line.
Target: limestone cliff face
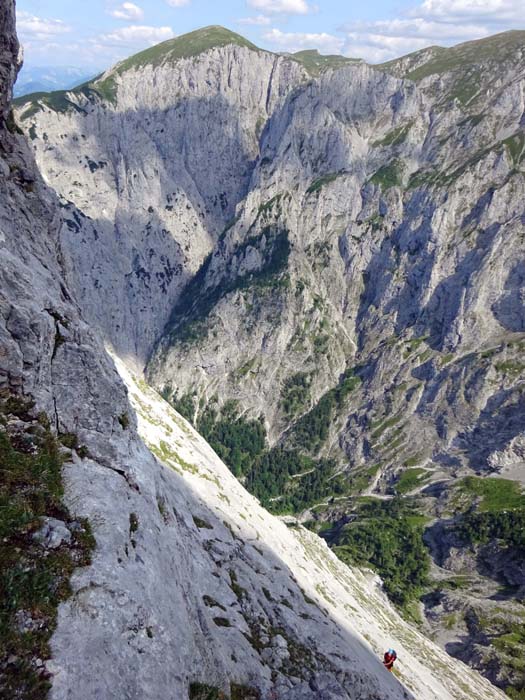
150, 176
191, 581
404, 217
364, 217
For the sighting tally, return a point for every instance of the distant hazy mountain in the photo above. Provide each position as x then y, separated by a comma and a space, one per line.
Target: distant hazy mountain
49, 78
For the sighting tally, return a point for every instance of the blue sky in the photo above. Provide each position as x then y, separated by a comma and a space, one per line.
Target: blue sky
94, 34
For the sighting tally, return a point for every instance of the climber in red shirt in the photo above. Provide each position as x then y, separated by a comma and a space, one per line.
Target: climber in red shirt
389, 658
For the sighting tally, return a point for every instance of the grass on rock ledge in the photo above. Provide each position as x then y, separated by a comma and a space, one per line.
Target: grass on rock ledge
203, 691
33, 579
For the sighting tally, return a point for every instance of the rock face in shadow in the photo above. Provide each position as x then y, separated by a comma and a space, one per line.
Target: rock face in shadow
8, 56
151, 176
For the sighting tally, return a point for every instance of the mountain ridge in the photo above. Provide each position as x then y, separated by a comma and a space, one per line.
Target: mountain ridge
215, 36
492, 47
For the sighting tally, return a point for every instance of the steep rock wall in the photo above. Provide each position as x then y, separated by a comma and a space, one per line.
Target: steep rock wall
149, 178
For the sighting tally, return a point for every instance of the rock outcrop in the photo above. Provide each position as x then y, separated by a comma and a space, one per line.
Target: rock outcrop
9, 50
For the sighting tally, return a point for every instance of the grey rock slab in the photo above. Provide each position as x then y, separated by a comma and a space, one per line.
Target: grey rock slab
53, 533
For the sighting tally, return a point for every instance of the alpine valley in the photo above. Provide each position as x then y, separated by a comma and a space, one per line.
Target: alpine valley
262, 375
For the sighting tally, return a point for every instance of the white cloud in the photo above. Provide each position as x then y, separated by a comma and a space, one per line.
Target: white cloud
497, 11
178, 3
417, 28
129, 12
41, 38
35, 27
377, 48
288, 7
296, 41
442, 22
137, 35
259, 21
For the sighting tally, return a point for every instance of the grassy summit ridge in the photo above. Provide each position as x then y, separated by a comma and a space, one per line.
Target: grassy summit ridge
469, 68
494, 49
185, 46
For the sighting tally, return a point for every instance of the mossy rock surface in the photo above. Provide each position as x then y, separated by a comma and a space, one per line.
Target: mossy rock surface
34, 579
238, 691
202, 691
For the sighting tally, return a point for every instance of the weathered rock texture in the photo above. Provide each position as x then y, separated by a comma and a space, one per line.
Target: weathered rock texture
9, 49
149, 179
191, 580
